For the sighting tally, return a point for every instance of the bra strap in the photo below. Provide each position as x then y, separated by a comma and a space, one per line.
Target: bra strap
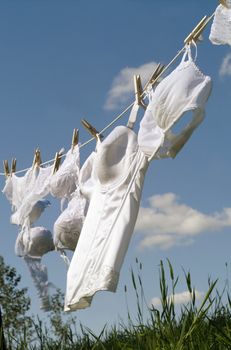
188, 52
133, 116
134, 111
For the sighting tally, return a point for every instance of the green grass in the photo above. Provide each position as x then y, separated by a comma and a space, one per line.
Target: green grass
207, 326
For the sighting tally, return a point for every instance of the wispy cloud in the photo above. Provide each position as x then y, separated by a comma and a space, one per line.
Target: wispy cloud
167, 222
225, 68
122, 86
179, 298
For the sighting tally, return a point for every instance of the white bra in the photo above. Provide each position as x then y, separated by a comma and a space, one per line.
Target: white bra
69, 224
63, 182
185, 89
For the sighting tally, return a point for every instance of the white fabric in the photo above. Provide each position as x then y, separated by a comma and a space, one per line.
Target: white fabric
37, 193
133, 115
17, 188
63, 182
87, 177
185, 89
68, 226
26, 195
220, 33
34, 212
120, 167
34, 242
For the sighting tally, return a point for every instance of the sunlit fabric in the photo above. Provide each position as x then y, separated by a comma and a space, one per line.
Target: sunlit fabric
220, 33
185, 89
120, 167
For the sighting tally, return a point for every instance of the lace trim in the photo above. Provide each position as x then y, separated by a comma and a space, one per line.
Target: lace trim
221, 27
185, 65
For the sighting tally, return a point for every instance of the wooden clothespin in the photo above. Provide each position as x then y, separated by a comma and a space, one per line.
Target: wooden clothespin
6, 168
13, 166
75, 138
91, 129
139, 91
155, 75
224, 3
37, 158
57, 161
196, 32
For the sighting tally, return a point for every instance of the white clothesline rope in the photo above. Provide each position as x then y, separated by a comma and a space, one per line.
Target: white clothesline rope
121, 114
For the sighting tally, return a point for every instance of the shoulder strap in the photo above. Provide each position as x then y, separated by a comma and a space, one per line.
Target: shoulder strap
133, 116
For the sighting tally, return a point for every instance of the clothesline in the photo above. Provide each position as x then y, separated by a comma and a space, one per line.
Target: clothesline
126, 109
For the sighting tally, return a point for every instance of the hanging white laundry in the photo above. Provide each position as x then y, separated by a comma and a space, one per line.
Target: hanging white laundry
220, 33
119, 166
69, 224
18, 191
17, 188
184, 90
32, 244
34, 213
63, 182
24, 193
33, 202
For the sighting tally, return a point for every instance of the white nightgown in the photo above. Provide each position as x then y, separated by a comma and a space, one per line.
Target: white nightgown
120, 167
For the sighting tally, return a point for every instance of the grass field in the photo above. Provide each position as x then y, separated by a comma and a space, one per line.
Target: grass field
207, 326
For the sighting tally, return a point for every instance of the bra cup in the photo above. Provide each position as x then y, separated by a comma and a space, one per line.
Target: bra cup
34, 242
114, 155
183, 89
69, 224
41, 241
63, 182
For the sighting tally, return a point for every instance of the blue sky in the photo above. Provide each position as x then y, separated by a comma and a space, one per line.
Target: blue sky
61, 61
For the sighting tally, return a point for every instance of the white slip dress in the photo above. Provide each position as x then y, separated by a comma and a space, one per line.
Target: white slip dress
119, 168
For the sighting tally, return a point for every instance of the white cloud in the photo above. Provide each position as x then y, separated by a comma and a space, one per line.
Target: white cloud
122, 86
225, 68
166, 222
179, 298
